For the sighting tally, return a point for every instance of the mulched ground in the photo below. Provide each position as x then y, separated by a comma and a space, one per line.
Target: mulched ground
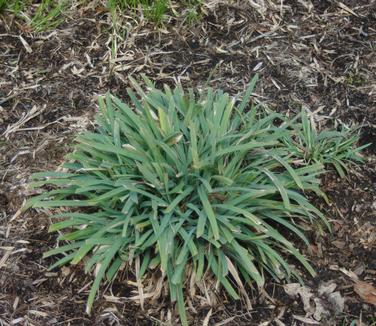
320, 55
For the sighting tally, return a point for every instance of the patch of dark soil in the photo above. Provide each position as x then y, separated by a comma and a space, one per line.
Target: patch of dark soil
322, 5
3, 200
368, 136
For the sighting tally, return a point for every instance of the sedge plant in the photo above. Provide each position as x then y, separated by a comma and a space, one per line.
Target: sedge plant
187, 186
330, 147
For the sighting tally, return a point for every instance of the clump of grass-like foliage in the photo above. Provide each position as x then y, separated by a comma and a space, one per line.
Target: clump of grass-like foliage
43, 15
174, 183
48, 14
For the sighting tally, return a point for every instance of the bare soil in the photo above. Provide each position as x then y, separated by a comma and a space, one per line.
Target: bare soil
320, 55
